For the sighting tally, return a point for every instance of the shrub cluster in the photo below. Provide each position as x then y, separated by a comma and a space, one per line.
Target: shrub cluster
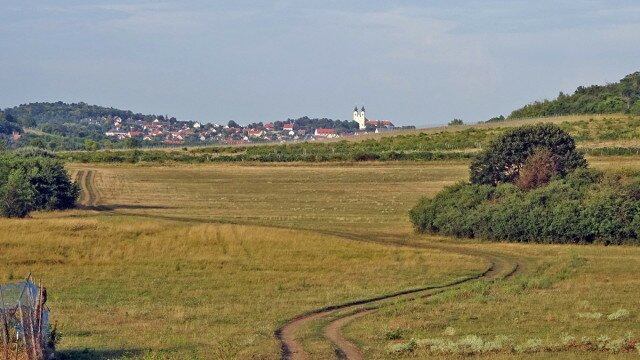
584, 207
503, 159
34, 180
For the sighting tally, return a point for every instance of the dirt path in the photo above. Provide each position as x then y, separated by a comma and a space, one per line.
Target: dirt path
291, 349
347, 350
79, 179
89, 197
333, 332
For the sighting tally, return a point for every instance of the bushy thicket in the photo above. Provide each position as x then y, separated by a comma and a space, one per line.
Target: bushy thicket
34, 180
503, 159
584, 207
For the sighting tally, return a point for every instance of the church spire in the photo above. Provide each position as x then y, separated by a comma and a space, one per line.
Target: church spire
355, 108
362, 108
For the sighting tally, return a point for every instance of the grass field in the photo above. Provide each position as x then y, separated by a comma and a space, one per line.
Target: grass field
207, 261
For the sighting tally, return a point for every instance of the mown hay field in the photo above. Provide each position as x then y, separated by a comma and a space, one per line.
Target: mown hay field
207, 261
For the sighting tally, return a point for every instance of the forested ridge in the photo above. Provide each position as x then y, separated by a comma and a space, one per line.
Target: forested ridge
619, 97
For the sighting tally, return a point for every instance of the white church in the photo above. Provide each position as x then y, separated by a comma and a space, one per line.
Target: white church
361, 118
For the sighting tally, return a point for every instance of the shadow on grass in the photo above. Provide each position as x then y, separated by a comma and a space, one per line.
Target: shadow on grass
113, 207
87, 354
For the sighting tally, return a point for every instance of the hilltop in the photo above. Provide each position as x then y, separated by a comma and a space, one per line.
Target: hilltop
619, 97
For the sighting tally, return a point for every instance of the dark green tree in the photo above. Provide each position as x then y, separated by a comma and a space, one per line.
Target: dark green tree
131, 143
90, 145
16, 195
502, 160
456, 122
49, 181
38, 142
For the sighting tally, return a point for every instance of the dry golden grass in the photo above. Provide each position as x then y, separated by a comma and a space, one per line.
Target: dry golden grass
569, 285
161, 272
205, 290
206, 261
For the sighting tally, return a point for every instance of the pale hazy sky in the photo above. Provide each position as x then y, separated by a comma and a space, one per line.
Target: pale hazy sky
413, 62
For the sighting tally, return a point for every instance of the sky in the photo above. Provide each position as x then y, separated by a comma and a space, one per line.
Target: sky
417, 63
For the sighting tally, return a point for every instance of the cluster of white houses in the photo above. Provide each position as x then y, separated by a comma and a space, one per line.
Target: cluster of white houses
179, 132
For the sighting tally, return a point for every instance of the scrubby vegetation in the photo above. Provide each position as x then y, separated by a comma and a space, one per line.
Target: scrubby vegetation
524, 189
587, 206
33, 179
474, 345
403, 147
620, 97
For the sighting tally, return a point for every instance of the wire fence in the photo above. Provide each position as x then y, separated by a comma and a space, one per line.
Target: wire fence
25, 332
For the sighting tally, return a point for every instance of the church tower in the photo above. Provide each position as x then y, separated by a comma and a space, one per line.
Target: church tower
360, 118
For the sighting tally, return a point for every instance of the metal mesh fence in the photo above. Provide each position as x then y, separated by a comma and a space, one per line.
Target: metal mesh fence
24, 322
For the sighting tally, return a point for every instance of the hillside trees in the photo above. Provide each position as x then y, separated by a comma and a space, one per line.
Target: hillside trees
503, 159
8, 125
623, 96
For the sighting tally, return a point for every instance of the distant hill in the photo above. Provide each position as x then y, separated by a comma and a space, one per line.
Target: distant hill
620, 97
76, 126
40, 113
59, 125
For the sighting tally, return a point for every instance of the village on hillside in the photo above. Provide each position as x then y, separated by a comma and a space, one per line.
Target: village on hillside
163, 130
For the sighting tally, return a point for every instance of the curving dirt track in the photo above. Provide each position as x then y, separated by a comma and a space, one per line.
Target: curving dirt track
347, 350
333, 332
291, 348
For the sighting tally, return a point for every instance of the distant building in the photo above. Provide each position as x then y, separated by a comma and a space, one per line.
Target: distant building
380, 123
287, 127
361, 118
383, 130
325, 132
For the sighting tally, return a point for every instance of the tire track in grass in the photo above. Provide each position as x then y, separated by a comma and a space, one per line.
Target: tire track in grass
346, 349
87, 184
291, 349
79, 179
89, 198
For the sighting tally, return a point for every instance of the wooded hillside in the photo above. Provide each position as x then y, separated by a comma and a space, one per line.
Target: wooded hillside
620, 97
